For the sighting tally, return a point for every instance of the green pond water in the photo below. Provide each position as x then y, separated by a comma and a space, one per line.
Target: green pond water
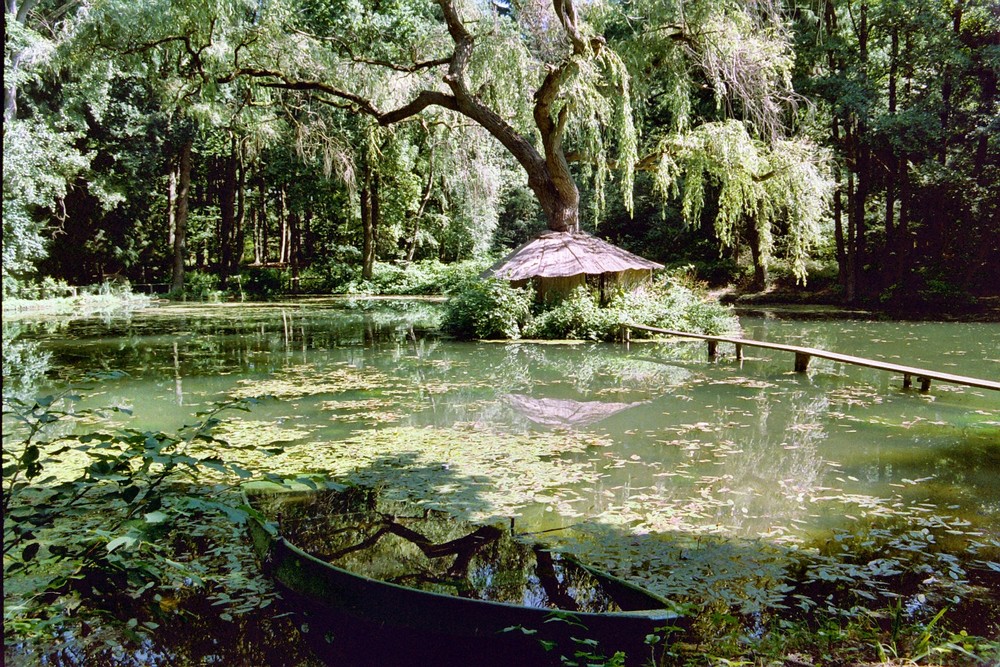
636, 456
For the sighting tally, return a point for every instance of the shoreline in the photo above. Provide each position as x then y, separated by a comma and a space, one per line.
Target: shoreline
794, 303
824, 303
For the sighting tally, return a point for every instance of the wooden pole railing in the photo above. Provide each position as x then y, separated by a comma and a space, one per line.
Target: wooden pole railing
804, 354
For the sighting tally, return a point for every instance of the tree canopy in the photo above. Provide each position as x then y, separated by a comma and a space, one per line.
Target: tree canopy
310, 135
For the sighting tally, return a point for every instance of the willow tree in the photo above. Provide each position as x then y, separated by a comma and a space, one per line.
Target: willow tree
548, 95
553, 86
716, 92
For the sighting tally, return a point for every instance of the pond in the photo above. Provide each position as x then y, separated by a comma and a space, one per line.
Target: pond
701, 479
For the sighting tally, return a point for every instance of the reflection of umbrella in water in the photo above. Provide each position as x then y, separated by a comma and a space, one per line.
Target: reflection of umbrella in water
565, 412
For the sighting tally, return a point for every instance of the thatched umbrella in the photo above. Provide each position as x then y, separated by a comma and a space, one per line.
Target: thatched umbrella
559, 261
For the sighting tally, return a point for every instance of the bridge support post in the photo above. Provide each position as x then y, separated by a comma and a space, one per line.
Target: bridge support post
712, 349
925, 384
907, 381
739, 352
801, 362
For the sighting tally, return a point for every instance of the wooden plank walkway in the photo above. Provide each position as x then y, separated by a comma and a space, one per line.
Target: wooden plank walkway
804, 354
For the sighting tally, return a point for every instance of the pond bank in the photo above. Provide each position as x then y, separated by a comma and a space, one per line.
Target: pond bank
827, 301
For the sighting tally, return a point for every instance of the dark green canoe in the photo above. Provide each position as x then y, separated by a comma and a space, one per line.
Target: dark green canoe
380, 582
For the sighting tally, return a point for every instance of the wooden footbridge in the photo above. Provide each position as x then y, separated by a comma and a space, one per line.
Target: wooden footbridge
804, 354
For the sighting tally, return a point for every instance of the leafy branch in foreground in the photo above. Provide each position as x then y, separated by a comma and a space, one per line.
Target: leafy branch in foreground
103, 512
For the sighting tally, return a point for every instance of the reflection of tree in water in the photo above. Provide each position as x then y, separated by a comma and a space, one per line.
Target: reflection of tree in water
360, 530
776, 469
585, 370
25, 364
557, 385
749, 471
218, 339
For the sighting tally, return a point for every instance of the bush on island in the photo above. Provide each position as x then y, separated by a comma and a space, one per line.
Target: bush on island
493, 309
488, 308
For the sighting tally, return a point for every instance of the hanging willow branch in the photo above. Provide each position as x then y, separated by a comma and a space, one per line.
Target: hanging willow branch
759, 184
582, 101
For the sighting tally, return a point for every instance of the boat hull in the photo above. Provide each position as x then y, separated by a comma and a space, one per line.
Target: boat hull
351, 619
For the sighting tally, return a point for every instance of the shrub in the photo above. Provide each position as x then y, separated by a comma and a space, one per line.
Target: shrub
577, 316
675, 303
261, 283
485, 309
429, 276
202, 285
52, 288
336, 273
113, 524
488, 308
453, 276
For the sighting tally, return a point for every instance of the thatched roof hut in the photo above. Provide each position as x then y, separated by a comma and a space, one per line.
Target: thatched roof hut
559, 261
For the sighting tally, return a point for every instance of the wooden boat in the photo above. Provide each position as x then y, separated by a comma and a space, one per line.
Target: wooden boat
383, 583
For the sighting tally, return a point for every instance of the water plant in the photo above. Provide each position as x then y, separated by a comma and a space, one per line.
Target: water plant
107, 525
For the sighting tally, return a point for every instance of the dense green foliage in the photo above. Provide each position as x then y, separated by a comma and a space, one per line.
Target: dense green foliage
88, 515
422, 277
213, 137
488, 309
493, 309
906, 97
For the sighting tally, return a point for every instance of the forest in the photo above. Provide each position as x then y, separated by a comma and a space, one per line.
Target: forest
307, 146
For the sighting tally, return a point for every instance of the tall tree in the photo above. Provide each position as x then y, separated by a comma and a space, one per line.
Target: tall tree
41, 155
583, 95
580, 106
903, 85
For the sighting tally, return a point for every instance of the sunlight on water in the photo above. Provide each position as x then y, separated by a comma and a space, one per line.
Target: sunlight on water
654, 439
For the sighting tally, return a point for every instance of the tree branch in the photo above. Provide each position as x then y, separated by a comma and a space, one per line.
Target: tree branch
416, 66
287, 83
425, 99
567, 17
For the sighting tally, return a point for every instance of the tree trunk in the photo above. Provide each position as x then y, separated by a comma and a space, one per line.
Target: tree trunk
988, 89
241, 212
261, 254
836, 67
308, 239
369, 224
255, 217
428, 189
227, 212
760, 276
948, 85
171, 204
284, 245
180, 222
862, 168
858, 207
890, 269
551, 180
903, 245
294, 247
850, 289
10, 91
20, 14
838, 215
